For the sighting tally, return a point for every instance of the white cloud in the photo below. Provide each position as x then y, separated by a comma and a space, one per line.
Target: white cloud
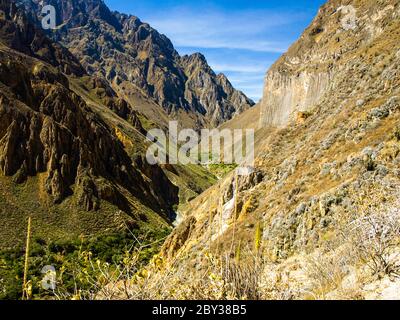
253, 30
253, 89
248, 78
242, 79
240, 44
237, 68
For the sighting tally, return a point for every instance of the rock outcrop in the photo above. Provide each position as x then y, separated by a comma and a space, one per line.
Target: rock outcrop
287, 95
20, 33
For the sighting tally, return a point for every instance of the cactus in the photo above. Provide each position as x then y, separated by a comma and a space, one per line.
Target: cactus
258, 237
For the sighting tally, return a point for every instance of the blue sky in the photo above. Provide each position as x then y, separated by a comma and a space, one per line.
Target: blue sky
239, 38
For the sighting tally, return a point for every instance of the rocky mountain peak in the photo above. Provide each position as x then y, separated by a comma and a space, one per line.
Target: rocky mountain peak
74, 13
20, 33
138, 61
194, 63
195, 58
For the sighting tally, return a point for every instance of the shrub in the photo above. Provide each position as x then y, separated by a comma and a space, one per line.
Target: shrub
375, 239
397, 133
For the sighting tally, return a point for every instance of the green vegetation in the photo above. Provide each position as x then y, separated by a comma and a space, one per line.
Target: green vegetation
67, 220
221, 170
72, 259
191, 179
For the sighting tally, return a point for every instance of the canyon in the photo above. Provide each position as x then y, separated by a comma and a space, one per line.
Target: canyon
304, 223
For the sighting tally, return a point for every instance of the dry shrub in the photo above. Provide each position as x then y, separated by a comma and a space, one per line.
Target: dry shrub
375, 240
236, 279
326, 270
219, 278
372, 241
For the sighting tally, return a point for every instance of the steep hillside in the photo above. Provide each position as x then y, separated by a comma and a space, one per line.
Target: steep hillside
142, 65
327, 175
56, 154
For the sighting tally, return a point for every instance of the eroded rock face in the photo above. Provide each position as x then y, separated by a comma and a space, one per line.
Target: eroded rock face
286, 95
135, 59
45, 127
178, 238
103, 91
313, 67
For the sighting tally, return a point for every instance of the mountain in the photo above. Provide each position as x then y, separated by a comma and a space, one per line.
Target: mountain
323, 197
142, 66
317, 65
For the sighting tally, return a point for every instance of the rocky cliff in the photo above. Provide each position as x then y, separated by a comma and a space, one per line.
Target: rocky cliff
311, 70
138, 61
